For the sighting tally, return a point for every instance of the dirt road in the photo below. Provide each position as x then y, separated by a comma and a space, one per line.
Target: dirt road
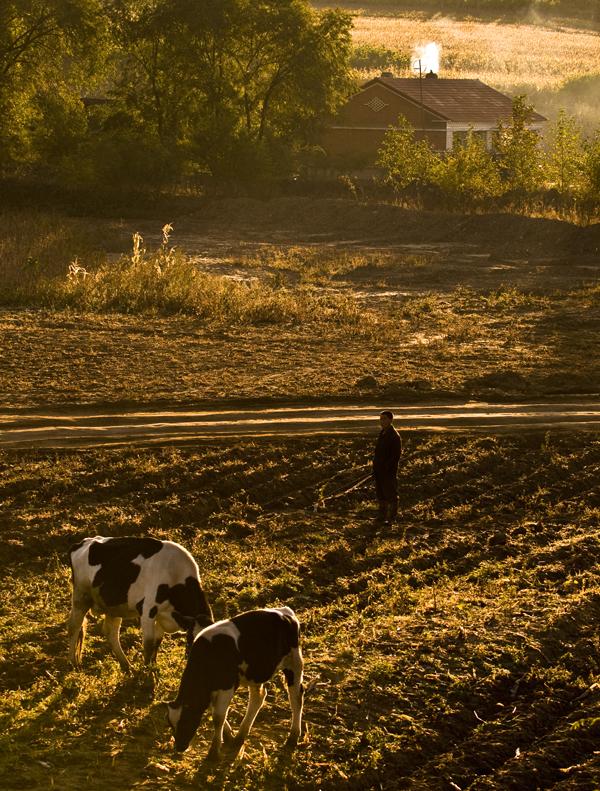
78, 429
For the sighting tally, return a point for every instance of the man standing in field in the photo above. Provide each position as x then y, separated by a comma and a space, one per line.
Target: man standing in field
385, 467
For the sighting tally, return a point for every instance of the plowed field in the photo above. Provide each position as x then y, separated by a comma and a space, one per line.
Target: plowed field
456, 649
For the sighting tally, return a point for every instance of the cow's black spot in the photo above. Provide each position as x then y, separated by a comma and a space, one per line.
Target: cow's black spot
180, 620
117, 571
140, 606
265, 638
187, 598
153, 611
218, 659
289, 677
162, 593
124, 548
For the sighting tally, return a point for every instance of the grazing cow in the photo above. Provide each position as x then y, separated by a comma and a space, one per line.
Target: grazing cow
248, 650
155, 581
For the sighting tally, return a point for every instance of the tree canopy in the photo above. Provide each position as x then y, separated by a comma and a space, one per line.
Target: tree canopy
233, 86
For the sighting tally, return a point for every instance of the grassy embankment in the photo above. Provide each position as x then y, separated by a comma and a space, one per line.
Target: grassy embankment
459, 649
162, 281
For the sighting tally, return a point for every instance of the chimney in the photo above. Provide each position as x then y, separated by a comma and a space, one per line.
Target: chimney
387, 74
431, 75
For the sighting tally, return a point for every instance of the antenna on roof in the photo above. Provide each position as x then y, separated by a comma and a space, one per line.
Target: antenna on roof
419, 64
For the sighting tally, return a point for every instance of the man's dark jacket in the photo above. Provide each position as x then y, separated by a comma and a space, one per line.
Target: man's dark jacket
387, 454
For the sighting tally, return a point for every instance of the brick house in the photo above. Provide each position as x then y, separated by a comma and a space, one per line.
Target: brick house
441, 110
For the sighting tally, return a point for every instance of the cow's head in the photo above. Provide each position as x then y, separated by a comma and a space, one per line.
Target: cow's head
185, 712
192, 625
184, 719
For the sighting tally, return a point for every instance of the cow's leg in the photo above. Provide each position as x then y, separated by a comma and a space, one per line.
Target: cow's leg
111, 630
227, 733
76, 631
220, 705
293, 678
257, 695
152, 633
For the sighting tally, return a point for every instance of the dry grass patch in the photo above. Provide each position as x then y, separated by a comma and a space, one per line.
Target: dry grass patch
39, 244
166, 281
464, 343
322, 264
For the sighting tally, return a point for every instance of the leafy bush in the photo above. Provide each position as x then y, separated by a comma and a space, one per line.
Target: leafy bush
518, 170
406, 161
565, 163
518, 148
468, 173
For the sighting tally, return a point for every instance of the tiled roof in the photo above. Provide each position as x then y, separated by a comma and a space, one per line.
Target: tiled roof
462, 101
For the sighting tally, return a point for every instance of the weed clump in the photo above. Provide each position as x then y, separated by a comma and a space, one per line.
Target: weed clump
167, 282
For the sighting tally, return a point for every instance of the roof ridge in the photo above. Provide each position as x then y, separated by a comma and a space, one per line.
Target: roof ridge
448, 98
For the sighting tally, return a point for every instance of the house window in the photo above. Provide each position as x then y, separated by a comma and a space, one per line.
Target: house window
376, 104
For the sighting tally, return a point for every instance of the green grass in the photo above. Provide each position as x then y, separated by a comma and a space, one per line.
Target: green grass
438, 647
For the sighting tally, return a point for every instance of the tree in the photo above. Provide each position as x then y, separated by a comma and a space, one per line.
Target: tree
564, 164
153, 80
468, 173
518, 149
42, 46
32, 30
406, 162
233, 82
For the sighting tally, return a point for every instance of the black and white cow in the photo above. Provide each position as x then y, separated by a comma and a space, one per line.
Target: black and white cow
247, 650
155, 581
